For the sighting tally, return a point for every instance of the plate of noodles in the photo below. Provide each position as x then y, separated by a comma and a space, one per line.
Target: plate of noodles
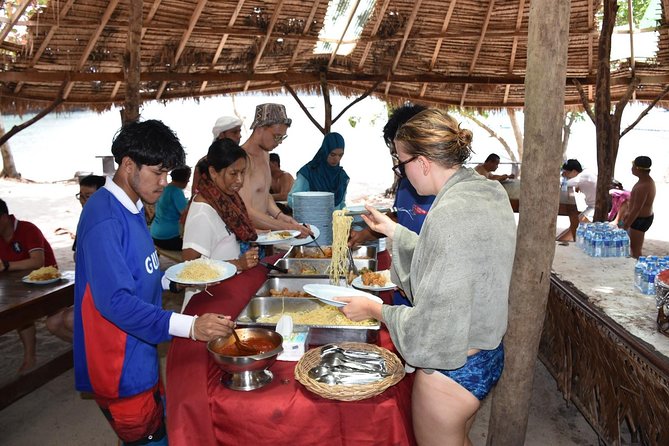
307, 239
42, 276
274, 237
374, 281
200, 272
327, 293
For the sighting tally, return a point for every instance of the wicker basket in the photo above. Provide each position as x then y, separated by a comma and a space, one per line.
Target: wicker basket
349, 392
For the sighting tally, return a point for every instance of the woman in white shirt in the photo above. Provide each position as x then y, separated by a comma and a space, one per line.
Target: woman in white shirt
217, 222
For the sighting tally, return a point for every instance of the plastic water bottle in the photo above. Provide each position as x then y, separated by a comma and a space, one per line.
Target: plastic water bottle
626, 243
609, 246
598, 244
651, 272
639, 270
580, 233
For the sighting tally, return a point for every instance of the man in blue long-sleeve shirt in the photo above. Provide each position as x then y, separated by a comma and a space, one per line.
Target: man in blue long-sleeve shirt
118, 314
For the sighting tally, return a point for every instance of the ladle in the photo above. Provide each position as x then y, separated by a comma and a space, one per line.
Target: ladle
243, 348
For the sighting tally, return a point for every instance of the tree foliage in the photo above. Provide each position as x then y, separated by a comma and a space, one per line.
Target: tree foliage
638, 10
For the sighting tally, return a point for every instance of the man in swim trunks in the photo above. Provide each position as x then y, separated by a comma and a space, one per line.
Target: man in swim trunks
639, 215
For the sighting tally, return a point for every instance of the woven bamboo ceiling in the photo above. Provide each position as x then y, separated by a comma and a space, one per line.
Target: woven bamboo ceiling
469, 53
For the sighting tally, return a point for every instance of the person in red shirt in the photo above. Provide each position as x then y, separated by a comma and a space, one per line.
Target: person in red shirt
23, 247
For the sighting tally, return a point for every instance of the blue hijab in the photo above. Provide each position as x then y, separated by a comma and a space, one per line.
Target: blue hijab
323, 177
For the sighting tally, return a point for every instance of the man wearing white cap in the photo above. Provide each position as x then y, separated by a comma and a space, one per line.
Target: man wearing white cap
228, 127
269, 126
225, 127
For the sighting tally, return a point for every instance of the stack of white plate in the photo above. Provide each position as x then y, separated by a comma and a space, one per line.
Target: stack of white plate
315, 208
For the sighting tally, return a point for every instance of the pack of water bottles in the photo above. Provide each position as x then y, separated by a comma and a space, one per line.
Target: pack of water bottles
602, 240
646, 270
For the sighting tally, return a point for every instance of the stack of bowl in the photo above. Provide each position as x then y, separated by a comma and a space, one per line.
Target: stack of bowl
315, 208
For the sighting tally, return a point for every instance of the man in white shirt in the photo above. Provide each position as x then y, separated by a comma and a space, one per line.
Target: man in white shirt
582, 181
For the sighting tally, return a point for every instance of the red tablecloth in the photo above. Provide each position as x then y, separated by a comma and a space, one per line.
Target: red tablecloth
201, 411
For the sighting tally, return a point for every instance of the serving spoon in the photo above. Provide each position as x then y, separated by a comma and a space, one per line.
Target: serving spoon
244, 349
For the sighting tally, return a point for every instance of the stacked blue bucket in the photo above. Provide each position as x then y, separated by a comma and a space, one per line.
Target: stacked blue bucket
315, 208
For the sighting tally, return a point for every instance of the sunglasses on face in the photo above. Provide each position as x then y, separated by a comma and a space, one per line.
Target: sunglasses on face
399, 168
279, 138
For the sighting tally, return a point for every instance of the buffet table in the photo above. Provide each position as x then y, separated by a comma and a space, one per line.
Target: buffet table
601, 344
202, 411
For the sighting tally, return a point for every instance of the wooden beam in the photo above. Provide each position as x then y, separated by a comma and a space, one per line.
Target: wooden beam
184, 39
293, 76
477, 50
93, 40
339, 42
514, 45
149, 17
263, 45
117, 86
45, 43
307, 26
440, 41
630, 24
223, 40
132, 63
375, 29
15, 16
407, 32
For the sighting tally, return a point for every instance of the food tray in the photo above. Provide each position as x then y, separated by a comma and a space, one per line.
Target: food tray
292, 283
362, 252
296, 267
318, 334
346, 392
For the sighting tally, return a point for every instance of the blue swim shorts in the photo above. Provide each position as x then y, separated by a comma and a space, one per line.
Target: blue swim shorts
480, 373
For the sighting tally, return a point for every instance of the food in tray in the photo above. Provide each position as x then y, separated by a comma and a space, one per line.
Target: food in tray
314, 253
323, 315
279, 235
285, 292
375, 279
304, 269
44, 273
199, 270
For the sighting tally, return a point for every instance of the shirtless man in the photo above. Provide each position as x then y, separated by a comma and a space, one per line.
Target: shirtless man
281, 181
270, 125
489, 166
639, 214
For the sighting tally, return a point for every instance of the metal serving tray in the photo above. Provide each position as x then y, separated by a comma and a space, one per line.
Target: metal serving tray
362, 253
292, 283
318, 334
298, 267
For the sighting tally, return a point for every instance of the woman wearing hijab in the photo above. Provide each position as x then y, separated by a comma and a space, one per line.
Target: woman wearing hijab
323, 173
217, 224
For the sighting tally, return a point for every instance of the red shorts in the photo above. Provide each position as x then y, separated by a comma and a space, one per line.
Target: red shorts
137, 417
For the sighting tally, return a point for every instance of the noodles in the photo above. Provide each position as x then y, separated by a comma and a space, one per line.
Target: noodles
341, 227
324, 315
200, 270
44, 273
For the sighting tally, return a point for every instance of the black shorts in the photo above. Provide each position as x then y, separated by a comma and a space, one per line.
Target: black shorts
642, 223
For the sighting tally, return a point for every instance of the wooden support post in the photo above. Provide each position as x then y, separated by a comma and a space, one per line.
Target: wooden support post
326, 103
132, 63
548, 40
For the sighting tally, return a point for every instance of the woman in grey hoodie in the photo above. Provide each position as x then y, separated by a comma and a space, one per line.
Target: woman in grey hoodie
456, 273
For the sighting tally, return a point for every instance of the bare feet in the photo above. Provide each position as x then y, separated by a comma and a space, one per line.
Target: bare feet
28, 364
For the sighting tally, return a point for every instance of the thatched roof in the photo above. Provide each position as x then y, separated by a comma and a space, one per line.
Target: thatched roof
456, 52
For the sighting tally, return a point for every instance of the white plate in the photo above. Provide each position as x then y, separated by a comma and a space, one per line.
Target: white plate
225, 269
266, 238
326, 293
39, 282
307, 239
357, 282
